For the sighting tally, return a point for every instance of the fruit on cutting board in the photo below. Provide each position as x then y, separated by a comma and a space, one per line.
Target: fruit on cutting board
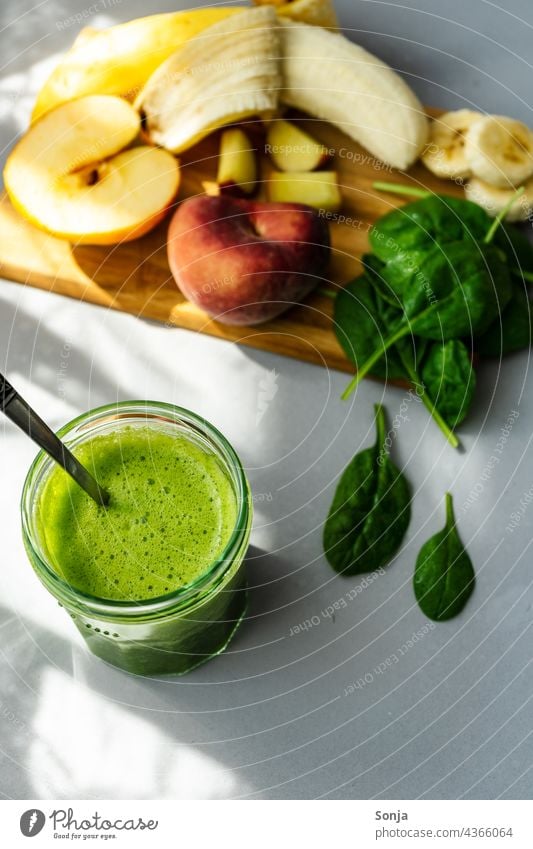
245, 262
491, 154
330, 77
319, 189
227, 73
499, 150
71, 175
120, 59
194, 71
292, 149
317, 12
237, 165
445, 154
495, 200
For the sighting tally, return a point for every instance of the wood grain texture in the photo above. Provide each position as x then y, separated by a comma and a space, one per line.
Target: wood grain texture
134, 277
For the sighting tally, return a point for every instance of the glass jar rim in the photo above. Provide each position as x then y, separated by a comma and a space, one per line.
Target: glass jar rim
122, 412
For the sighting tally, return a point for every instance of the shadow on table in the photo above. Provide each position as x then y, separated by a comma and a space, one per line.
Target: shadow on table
57, 364
70, 727
74, 727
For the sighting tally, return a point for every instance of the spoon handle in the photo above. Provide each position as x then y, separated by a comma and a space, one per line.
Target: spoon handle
21, 414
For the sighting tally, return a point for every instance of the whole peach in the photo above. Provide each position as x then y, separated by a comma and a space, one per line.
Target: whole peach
245, 262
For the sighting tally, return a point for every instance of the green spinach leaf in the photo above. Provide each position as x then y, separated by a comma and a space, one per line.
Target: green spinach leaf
444, 576
361, 317
461, 289
363, 320
512, 330
374, 269
459, 292
423, 224
370, 512
516, 246
449, 378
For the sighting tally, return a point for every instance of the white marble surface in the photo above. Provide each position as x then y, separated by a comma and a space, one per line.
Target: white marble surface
451, 717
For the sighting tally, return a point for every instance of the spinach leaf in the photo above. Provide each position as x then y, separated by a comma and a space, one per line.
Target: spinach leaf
444, 576
374, 269
412, 372
361, 317
449, 378
423, 224
405, 270
459, 291
370, 512
363, 320
512, 330
516, 246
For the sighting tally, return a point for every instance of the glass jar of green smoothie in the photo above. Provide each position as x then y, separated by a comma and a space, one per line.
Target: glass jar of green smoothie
154, 581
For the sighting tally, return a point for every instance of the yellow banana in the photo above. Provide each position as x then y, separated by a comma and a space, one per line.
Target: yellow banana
120, 59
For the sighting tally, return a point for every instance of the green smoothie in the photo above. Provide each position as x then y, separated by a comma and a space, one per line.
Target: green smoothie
171, 514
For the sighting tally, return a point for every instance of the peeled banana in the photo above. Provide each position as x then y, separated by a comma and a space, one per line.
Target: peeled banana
229, 72
334, 79
120, 59
499, 151
444, 155
494, 200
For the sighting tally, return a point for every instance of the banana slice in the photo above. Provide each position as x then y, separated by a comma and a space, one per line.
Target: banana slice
494, 200
444, 154
230, 71
330, 77
499, 150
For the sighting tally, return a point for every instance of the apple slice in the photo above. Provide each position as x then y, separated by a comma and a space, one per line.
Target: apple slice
237, 165
71, 176
292, 149
211, 188
314, 188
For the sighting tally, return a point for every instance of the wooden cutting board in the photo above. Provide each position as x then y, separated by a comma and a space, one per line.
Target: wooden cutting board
134, 277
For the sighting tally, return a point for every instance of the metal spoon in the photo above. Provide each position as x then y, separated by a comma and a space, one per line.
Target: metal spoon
21, 414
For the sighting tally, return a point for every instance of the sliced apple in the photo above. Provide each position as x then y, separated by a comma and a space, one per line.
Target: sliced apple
237, 166
216, 190
120, 59
71, 176
292, 149
211, 188
314, 188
